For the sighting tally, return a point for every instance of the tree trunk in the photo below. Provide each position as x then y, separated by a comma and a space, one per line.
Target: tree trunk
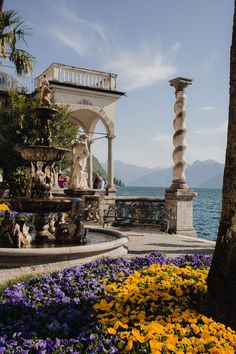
221, 297
1, 5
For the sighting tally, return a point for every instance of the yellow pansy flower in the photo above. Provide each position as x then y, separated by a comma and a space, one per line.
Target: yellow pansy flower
4, 207
155, 306
111, 330
129, 345
155, 345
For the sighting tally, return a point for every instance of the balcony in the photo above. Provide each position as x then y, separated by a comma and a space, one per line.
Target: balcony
79, 77
11, 81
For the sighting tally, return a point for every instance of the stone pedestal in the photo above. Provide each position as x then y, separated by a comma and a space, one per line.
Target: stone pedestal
111, 192
180, 204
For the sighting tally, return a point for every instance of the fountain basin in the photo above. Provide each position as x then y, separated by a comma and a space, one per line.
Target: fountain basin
18, 257
41, 153
45, 112
29, 205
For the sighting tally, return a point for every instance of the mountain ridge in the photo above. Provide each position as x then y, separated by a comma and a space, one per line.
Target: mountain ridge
205, 174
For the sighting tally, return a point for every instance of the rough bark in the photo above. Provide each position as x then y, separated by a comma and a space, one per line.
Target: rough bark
221, 298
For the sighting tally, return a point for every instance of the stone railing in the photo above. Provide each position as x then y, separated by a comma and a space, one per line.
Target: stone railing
79, 76
142, 211
128, 211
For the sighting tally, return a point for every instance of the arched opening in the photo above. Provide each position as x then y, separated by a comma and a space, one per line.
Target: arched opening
100, 130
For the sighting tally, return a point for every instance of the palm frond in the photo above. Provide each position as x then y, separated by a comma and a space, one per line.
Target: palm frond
12, 30
22, 60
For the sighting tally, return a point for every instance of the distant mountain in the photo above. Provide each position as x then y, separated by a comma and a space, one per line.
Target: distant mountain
160, 178
128, 172
214, 182
207, 174
203, 174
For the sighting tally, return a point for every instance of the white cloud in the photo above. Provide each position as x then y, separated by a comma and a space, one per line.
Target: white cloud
175, 47
138, 67
75, 19
73, 40
83, 36
208, 109
141, 67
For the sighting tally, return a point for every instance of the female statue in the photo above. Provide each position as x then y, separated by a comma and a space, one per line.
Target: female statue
78, 177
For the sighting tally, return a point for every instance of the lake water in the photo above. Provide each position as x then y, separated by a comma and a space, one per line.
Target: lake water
206, 207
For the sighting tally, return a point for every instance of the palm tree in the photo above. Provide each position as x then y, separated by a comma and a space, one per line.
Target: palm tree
12, 31
221, 299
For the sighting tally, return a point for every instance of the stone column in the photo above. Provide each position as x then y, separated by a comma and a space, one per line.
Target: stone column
179, 197
110, 166
55, 178
90, 165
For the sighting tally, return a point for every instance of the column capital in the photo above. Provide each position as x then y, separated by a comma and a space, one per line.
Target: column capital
110, 137
180, 83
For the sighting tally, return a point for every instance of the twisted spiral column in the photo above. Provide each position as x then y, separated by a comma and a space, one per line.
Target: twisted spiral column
179, 178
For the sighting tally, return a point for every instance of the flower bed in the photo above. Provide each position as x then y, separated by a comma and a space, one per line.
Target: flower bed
145, 305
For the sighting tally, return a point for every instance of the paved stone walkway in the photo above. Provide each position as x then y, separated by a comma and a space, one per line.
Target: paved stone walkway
141, 242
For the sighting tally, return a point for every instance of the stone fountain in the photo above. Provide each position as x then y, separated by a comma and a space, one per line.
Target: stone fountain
53, 221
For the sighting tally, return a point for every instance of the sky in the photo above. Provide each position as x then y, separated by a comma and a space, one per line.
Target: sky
147, 43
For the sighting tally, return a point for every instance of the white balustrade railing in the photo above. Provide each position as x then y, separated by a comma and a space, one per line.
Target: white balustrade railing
80, 77
61, 73
14, 82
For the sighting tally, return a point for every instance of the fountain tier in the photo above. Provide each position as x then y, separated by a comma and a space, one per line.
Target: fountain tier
36, 153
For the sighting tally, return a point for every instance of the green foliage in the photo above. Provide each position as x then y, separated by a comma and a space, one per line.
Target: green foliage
18, 182
19, 126
64, 133
97, 168
118, 182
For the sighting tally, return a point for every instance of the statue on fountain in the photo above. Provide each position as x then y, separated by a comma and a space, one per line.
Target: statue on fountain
78, 177
45, 93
